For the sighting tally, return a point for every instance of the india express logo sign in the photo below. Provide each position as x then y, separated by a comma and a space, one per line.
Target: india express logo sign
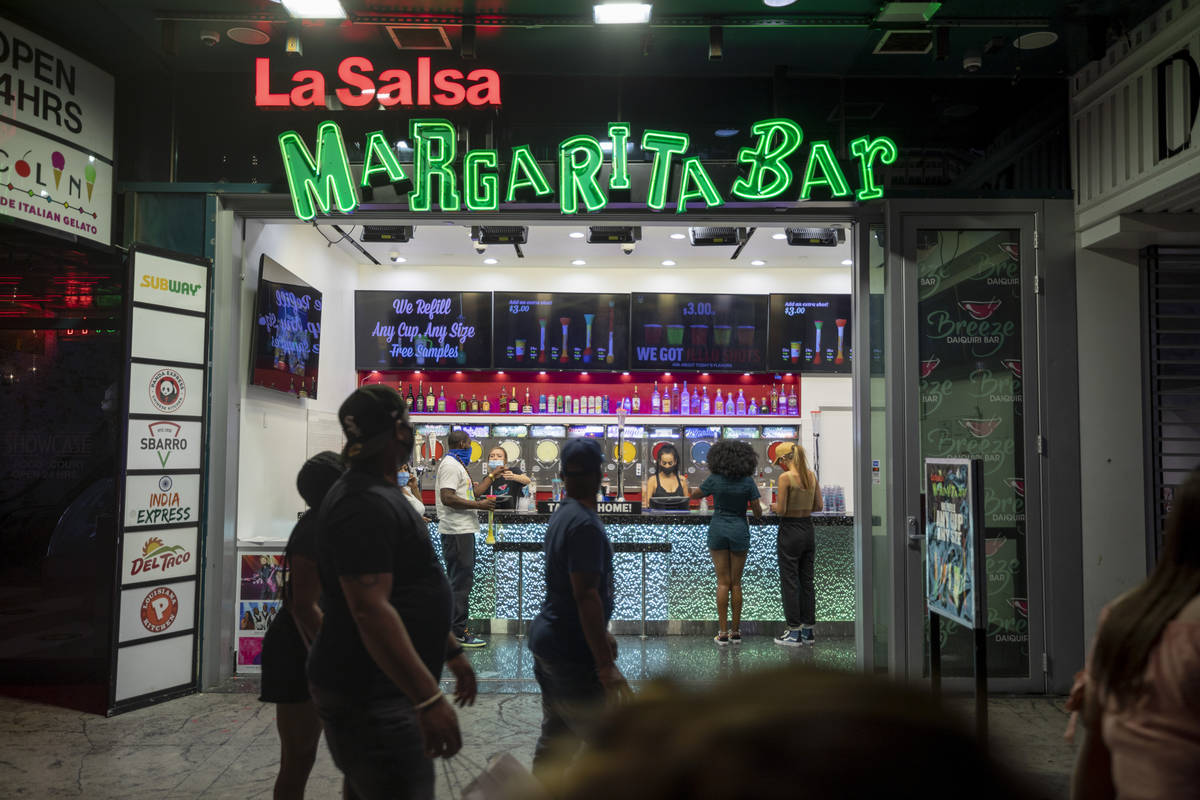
165, 506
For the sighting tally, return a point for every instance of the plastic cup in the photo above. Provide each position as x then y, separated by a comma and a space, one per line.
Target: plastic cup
699, 335
653, 334
721, 334
745, 335
520, 348
795, 352
675, 335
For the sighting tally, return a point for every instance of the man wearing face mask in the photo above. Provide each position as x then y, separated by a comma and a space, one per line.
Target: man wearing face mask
506, 482
458, 522
376, 663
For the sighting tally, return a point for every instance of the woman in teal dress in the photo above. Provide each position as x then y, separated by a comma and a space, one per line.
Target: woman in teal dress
731, 485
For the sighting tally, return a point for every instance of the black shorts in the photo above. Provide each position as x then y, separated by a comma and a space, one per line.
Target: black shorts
283, 657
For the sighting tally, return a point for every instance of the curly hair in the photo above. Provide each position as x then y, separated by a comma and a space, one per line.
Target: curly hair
732, 459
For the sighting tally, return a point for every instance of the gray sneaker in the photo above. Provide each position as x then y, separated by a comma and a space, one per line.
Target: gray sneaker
789, 638
469, 639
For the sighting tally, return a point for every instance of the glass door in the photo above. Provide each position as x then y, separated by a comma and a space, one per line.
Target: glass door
969, 383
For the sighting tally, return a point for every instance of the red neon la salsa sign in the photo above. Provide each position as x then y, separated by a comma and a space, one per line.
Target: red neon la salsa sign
361, 86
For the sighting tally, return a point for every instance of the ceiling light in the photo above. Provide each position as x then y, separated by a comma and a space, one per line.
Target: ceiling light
846, 262
678, 235
1035, 41
491, 261
725, 133
315, 9
758, 262
668, 263
250, 36
780, 236
621, 13
578, 262
778, 3
576, 234
397, 258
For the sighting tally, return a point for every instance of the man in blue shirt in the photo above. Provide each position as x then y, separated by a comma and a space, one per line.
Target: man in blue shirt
574, 655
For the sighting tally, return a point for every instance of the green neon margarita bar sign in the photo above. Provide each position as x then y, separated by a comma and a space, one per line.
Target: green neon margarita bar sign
322, 180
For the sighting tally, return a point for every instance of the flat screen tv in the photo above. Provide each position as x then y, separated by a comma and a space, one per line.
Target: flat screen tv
561, 331
285, 343
810, 333
711, 332
422, 330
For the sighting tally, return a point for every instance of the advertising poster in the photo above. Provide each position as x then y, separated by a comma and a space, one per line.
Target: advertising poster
561, 331
257, 616
950, 557
249, 653
262, 576
699, 331
810, 333
398, 330
56, 140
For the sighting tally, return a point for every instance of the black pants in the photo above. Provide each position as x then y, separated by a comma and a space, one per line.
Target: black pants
572, 701
796, 546
459, 552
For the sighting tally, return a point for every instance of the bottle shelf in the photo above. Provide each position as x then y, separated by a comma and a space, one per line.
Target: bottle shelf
600, 419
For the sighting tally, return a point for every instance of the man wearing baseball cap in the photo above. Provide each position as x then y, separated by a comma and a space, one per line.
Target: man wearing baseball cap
574, 656
376, 664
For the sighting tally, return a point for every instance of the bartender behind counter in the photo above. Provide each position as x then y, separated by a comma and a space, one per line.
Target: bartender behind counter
503, 480
666, 488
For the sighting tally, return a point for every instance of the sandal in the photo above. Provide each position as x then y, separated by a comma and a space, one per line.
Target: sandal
722, 639
735, 636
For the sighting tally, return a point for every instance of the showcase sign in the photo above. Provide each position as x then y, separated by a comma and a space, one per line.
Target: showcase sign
321, 180
56, 136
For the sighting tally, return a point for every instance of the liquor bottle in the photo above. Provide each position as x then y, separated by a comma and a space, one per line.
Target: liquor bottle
637, 401
410, 399
719, 408
542, 403
730, 406
441, 401
740, 405
574, 405
604, 404
774, 400
695, 409
762, 405
514, 407
502, 403
420, 403
705, 404
566, 404
675, 397
685, 401
462, 403
474, 404
485, 405
793, 403
752, 409
655, 401
590, 408
430, 401
528, 407
303, 391
665, 403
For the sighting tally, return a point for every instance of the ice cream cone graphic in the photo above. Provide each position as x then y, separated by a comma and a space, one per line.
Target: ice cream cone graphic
57, 162
89, 174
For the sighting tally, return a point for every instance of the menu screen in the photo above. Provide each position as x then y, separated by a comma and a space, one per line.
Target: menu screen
287, 334
699, 331
541, 330
810, 333
397, 330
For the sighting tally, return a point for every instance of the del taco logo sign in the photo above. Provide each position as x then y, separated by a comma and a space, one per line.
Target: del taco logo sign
777, 159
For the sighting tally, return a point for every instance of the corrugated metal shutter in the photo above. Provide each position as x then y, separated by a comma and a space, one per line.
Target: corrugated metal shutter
1172, 378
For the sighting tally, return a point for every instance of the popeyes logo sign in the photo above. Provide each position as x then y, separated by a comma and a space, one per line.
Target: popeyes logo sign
362, 85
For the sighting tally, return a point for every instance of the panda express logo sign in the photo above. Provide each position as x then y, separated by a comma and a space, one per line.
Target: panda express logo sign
164, 439
158, 557
167, 390
159, 609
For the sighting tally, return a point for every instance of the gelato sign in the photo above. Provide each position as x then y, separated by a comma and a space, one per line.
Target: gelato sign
321, 180
56, 138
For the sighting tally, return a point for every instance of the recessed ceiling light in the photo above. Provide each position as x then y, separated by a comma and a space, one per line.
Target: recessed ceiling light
678, 235
1035, 40
315, 9
758, 262
579, 262
668, 263
847, 262
778, 3
576, 234
725, 133
621, 13
779, 236
491, 261
397, 258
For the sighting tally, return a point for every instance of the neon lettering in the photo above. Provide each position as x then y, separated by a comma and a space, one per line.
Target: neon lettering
866, 150
317, 182
578, 178
663, 144
769, 175
434, 150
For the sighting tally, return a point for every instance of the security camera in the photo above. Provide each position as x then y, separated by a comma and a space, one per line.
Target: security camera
972, 61
209, 38
480, 248
627, 248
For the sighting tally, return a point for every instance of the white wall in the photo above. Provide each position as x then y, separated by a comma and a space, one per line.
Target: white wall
274, 425
1110, 427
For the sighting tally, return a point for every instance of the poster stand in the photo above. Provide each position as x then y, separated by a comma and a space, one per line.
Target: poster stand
955, 576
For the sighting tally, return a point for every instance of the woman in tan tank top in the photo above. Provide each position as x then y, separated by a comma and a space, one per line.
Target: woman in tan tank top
799, 496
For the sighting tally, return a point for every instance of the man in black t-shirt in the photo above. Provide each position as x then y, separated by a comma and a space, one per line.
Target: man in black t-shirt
376, 663
574, 656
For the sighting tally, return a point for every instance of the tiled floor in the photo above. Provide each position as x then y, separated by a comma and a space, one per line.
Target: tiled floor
224, 744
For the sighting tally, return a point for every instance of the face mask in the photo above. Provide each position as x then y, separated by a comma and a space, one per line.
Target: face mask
402, 479
667, 470
462, 456
495, 463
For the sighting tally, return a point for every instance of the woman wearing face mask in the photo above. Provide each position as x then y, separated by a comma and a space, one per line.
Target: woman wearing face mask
407, 481
666, 488
506, 482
